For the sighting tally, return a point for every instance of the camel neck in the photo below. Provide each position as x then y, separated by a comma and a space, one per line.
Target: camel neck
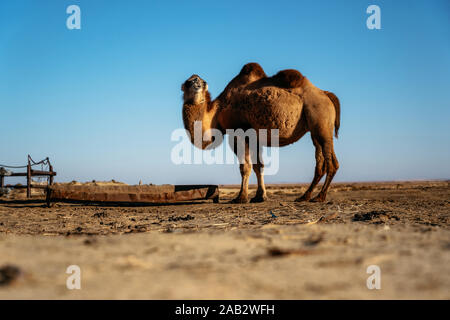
203, 112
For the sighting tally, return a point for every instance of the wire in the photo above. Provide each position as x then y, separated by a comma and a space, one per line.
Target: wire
5, 166
33, 163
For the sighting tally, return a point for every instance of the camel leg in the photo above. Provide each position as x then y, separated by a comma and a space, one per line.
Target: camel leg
332, 165
246, 169
318, 173
261, 191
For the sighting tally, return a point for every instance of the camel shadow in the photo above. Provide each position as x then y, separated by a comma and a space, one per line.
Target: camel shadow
130, 204
23, 203
32, 203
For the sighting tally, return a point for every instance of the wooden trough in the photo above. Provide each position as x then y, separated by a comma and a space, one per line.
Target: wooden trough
131, 194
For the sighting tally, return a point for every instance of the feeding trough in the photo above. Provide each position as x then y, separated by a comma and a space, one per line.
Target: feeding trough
88, 193
132, 194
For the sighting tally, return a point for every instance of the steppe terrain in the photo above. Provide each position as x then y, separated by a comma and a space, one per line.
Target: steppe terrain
278, 249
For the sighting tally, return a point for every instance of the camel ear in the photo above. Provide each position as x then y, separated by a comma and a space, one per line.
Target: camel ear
206, 87
182, 87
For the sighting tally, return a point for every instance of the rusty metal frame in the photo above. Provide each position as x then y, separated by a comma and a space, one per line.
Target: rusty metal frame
29, 174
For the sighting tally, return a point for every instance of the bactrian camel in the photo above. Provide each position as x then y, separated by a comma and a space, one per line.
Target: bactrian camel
287, 101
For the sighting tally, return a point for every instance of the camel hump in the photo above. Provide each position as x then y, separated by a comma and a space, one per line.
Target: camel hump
250, 72
289, 78
252, 69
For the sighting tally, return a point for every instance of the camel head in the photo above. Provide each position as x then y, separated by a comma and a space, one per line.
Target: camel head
196, 107
195, 90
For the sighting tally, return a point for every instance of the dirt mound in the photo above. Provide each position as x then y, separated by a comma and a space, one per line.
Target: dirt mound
93, 183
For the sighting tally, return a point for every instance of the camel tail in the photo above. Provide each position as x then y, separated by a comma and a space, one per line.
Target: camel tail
337, 107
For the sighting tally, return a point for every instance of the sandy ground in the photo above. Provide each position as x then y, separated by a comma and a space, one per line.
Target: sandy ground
274, 250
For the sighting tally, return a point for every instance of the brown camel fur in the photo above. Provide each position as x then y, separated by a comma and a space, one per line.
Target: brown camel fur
287, 101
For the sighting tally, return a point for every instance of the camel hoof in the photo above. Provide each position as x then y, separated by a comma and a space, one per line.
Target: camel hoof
318, 199
239, 200
257, 199
302, 199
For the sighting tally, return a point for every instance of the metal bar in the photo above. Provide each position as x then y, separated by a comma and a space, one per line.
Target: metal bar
50, 168
33, 173
29, 178
18, 174
35, 186
42, 173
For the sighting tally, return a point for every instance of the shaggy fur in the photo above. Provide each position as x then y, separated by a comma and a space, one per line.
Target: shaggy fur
288, 79
288, 101
337, 106
251, 72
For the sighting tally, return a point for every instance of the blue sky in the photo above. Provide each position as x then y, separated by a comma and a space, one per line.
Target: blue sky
102, 101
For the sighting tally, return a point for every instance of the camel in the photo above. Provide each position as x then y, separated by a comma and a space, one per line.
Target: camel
287, 101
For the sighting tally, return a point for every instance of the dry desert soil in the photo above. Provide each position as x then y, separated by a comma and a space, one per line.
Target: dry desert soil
278, 249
